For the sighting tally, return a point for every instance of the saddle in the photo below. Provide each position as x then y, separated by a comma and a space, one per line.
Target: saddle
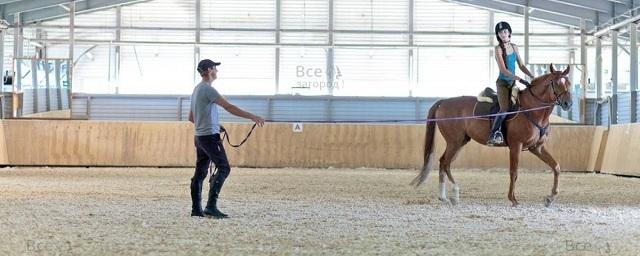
487, 102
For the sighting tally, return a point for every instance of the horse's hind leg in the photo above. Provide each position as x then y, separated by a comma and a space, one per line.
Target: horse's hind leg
445, 168
544, 155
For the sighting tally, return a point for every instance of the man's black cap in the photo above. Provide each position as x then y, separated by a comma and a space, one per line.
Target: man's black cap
206, 64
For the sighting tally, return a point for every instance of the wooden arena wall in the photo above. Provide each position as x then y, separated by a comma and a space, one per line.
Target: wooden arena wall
114, 143
620, 150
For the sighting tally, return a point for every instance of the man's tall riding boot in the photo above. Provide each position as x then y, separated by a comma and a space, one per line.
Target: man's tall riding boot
215, 184
196, 198
496, 138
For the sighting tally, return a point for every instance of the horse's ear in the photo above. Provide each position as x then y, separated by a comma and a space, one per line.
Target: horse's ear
553, 70
566, 70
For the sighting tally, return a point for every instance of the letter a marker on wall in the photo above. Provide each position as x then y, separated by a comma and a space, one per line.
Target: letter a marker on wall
297, 127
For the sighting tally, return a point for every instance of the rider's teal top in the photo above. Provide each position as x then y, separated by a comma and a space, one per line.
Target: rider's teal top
511, 66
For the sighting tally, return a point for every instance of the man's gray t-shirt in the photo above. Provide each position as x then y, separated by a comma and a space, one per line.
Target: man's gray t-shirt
205, 112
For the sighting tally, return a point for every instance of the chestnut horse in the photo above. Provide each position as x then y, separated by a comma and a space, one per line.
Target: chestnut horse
525, 131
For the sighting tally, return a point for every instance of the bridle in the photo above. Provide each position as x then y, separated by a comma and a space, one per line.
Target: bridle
554, 89
544, 129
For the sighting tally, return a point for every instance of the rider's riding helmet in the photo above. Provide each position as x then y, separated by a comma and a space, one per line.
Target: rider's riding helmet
501, 26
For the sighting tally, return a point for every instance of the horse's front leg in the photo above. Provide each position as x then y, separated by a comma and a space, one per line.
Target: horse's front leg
544, 155
514, 157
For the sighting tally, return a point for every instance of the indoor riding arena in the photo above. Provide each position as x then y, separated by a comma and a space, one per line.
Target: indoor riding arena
343, 123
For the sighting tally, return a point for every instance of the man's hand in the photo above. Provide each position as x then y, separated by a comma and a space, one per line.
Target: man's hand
525, 82
258, 120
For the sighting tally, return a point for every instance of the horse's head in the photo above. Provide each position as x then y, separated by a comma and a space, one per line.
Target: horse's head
555, 86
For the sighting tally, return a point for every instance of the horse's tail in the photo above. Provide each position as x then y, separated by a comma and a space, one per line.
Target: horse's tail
428, 146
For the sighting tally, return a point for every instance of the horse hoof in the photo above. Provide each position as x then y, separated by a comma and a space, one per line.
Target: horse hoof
444, 200
548, 201
454, 201
514, 204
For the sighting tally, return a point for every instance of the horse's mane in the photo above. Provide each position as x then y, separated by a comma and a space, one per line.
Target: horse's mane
541, 78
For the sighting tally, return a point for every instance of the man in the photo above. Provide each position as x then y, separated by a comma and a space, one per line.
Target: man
204, 114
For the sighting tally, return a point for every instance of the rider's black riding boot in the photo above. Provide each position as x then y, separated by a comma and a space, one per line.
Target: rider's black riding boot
215, 184
496, 138
196, 198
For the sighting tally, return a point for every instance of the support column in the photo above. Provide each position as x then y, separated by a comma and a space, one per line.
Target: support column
2, 67
614, 77
526, 35
572, 60
118, 51
583, 78
17, 75
411, 62
278, 26
72, 44
330, 56
196, 49
633, 80
598, 68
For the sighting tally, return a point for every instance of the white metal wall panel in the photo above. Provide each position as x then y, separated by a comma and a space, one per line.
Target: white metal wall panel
373, 109
238, 37
105, 17
114, 108
436, 15
42, 100
238, 14
368, 72
160, 13
65, 99
372, 14
252, 69
156, 69
243, 69
370, 39
8, 51
304, 38
79, 107
94, 67
299, 109
139, 107
306, 14
158, 36
548, 55
446, 40
624, 107
81, 34
259, 107
28, 49
637, 99
557, 41
453, 72
298, 68
27, 102
53, 99
537, 26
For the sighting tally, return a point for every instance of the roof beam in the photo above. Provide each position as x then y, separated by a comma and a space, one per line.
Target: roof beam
625, 2
8, 1
25, 6
596, 5
539, 14
557, 8
57, 12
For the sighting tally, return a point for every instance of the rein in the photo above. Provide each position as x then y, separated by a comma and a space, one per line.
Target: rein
226, 136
